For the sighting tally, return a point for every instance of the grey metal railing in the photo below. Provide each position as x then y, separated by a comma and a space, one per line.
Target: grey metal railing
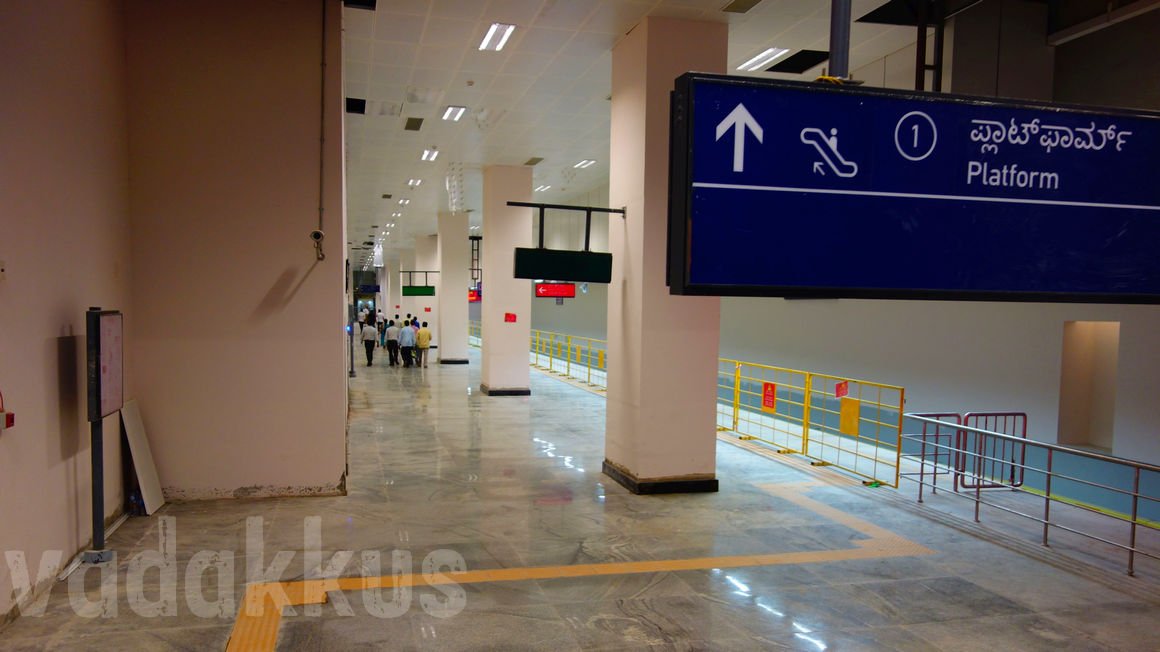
986, 459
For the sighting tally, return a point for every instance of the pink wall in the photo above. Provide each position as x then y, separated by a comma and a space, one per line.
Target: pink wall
64, 239
240, 330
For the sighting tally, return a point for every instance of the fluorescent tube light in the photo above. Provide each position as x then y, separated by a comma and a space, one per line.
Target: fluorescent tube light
430, 154
585, 163
404, 202
762, 60
414, 183
497, 36
542, 188
454, 113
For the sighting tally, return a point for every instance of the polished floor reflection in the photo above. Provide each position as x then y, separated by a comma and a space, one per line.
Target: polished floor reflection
558, 557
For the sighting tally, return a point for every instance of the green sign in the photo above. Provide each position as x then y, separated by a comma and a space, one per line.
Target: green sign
418, 290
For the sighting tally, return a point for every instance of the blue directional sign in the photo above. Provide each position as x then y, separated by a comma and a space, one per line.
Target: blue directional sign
811, 190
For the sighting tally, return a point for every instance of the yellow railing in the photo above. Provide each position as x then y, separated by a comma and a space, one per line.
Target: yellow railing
855, 425
580, 358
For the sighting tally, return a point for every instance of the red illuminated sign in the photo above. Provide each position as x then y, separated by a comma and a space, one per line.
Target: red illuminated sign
509, 317
556, 290
473, 296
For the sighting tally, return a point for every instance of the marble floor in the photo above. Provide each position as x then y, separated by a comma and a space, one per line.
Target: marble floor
556, 556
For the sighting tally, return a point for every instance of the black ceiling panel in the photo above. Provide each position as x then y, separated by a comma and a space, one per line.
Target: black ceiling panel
356, 105
799, 61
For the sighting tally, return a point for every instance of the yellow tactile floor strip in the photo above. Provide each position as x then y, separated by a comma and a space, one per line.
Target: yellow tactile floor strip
256, 629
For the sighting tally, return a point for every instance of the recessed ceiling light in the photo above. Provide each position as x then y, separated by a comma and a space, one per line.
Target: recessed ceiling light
542, 188
404, 202
585, 163
414, 183
395, 214
430, 154
454, 113
497, 36
763, 59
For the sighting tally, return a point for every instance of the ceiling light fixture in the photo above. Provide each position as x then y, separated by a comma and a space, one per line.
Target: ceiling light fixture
762, 60
395, 214
414, 183
497, 36
542, 188
404, 202
454, 113
585, 163
430, 154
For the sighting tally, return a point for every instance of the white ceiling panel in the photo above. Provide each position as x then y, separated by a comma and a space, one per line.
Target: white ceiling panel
399, 27
525, 64
542, 41
566, 14
357, 49
393, 54
513, 12
391, 75
417, 7
358, 23
450, 32
469, 9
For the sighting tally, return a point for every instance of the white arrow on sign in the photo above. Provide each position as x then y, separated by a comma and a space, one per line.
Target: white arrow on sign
739, 119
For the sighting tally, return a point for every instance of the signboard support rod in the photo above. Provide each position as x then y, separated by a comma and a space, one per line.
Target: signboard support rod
840, 38
98, 451
587, 229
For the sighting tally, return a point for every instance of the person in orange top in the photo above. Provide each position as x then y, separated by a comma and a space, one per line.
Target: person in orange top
422, 344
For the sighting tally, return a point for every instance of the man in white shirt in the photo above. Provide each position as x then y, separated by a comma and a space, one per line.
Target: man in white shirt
392, 335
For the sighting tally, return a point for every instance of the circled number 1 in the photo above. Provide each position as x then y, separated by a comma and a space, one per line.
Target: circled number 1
924, 136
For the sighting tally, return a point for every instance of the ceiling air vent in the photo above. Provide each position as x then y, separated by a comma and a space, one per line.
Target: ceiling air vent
360, 4
535, 160
387, 195
740, 6
369, 243
356, 105
414, 124
799, 62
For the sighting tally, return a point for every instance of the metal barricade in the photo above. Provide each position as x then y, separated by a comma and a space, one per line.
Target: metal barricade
762, 402
937, 449
987, 468
855, 425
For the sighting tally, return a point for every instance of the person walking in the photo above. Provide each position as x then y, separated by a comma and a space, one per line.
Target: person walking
422, 344
392, 335
370, 336
407, 344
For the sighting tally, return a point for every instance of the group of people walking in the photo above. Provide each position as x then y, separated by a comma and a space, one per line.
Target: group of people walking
407, 341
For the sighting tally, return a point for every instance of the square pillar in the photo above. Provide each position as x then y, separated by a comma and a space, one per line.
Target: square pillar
454, 277
660, 434
505, 370
427, 260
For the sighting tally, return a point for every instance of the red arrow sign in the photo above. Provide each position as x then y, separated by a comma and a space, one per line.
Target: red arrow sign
556, 290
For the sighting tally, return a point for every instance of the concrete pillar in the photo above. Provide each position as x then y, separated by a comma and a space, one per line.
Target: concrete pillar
394, 302
660, 434
454, 260
427, 260
505, 342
